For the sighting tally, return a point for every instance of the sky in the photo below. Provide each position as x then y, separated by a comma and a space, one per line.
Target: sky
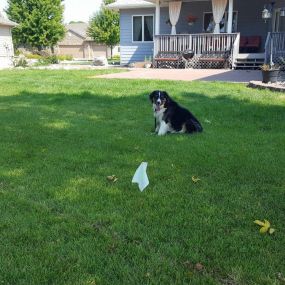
75, 10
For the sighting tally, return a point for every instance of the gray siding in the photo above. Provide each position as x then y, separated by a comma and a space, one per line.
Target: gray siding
249, 21
132, 52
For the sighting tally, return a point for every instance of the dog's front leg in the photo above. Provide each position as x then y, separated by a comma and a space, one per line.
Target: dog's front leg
163, 128
157, 127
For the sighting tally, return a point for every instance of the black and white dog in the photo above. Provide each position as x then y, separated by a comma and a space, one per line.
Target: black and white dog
170, 117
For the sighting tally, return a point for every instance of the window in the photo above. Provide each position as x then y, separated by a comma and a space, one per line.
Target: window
209, 25
143, 28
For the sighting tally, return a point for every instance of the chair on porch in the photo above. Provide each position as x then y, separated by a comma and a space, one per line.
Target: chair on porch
168, 59
242, 44
253, 43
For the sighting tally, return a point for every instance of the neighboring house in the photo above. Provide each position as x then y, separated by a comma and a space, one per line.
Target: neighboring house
79, 45
6, 43
251, 31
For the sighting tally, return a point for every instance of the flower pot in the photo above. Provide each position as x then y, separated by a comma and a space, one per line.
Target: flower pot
281, 76
270, 76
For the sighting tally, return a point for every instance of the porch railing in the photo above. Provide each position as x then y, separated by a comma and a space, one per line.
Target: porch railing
198, 43
275, 48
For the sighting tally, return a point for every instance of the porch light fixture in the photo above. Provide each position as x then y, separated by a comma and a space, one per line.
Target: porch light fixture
282, 12
267, 12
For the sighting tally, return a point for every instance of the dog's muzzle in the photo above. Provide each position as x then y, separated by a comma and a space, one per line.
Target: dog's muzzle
158, 106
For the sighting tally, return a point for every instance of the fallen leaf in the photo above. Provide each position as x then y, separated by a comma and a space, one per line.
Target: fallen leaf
195, 179
263, 230
280, 276
271, 231
199, 266
112, 178
266, 224
258, 222
265, 227
207, 121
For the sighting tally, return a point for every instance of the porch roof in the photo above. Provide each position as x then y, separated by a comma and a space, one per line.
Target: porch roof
130, 4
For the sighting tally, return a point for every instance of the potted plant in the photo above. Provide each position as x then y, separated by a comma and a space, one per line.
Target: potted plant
191, 20
270, 73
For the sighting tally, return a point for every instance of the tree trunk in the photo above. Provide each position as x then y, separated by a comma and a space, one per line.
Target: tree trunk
111, 52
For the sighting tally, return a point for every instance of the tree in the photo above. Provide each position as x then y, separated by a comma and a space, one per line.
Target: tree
40, 22
105, 27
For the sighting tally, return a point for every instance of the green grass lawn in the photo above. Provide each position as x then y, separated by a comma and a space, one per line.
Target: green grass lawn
62, 222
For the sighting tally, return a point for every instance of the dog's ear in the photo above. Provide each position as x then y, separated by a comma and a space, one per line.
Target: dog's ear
151, 96
167, 99
165, 94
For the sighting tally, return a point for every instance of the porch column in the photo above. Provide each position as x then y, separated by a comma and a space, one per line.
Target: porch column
157, 17
230, 17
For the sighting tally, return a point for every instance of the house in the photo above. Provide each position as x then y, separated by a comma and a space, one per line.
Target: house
78, 44
6, 43
251, 32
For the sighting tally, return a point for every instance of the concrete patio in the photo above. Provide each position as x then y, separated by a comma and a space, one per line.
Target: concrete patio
226, 75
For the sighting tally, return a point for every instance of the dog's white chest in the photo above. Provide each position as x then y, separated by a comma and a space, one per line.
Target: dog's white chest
159, 115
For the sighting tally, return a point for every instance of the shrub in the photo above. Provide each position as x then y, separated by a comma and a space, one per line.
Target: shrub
51, 59
65, 57
21, 61
33, 56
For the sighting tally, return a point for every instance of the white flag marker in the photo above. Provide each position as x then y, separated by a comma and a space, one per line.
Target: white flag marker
140, 176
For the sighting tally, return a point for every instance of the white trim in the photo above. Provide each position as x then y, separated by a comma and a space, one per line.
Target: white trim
143, 41
157, 18
130, 4
230, 16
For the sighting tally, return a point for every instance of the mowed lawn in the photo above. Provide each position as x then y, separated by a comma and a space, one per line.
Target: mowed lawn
62, 222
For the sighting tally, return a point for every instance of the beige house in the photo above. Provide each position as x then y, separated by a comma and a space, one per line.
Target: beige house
79, 45
6, 43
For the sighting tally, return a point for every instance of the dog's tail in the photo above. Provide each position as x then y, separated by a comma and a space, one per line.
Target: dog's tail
193, 126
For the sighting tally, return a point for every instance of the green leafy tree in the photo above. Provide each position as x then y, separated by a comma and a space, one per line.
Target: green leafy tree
105, 26
40, 22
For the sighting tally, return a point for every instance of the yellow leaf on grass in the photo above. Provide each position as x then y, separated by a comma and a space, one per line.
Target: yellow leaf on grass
112, 178
258, 222
195, 179
263, 230
271, 231
266, 224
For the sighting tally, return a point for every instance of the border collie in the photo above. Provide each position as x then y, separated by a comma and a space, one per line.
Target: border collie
170, 117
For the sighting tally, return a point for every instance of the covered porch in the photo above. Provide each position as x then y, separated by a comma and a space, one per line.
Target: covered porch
231, 28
